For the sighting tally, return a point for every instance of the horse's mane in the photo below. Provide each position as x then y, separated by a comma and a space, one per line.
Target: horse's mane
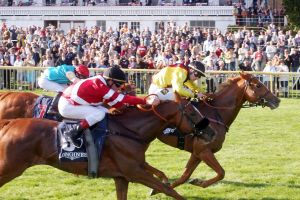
223, 86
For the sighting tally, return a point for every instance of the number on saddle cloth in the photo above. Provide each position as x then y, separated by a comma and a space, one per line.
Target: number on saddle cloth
68, 152
41, 107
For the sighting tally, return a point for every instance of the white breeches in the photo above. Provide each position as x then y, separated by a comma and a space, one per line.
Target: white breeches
92, 114
162, 93
51, 85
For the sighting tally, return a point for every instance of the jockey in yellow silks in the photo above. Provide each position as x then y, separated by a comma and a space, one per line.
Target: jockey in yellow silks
177, 78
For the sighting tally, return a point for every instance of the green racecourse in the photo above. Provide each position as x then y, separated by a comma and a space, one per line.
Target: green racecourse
261, 157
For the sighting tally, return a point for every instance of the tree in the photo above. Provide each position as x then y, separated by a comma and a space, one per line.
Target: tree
292, 11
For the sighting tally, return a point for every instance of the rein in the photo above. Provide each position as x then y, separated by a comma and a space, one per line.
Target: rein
229, 107
181, 108
224, 108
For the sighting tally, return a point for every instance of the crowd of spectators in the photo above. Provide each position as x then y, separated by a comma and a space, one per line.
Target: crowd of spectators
144, 49
258, 15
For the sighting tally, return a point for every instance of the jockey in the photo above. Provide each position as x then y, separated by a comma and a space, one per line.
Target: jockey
178, 78
56, 79
84, 100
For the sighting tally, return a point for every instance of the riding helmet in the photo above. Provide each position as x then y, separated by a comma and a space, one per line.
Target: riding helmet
115, 73
83, 71
198, 66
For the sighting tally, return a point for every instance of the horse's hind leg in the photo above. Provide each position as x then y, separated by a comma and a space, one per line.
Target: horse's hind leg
141, 176
209, 158
189, 169
121, 188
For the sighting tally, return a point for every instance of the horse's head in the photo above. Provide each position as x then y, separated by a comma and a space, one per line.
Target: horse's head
180, 113
257, 92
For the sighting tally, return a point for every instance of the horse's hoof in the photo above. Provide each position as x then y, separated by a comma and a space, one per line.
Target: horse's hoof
200, 183
153, 192
194, 181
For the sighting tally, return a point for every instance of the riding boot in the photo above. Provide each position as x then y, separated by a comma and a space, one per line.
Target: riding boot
74, 133
53, 108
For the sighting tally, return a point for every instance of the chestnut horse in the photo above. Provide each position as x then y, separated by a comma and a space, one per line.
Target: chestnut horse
123, 157
17, 105
20, 104
221, 110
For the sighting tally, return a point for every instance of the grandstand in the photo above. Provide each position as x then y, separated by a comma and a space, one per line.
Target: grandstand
137, 17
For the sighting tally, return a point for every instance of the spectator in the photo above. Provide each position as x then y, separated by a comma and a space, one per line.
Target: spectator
48, 61
229, 58
287, 59
267, 79
270, 50
259, 59
92, 63
283, 79
245, 65
19, 63
295, 57
6, 73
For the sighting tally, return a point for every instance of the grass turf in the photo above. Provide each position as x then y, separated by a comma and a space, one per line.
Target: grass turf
261, 157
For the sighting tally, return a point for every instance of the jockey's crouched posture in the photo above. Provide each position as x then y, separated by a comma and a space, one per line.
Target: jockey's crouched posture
178, 78
84, 100
56, 79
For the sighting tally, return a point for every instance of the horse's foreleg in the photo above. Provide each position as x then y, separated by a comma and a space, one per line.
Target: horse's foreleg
189, 169
142, 176
161, 175
209, 158
9, 173
121, 188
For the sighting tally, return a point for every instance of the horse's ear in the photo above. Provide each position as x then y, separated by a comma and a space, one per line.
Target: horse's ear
177, 97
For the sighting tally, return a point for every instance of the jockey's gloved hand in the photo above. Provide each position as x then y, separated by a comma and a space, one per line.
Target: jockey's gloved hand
114, 111
152, 100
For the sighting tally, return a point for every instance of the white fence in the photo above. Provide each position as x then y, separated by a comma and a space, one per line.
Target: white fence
281, 84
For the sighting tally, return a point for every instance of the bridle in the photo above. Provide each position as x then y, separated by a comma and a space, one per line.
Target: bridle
260, 99
246, 87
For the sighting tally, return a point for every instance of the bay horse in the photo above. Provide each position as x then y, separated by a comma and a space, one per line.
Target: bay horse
26, 142
221, 110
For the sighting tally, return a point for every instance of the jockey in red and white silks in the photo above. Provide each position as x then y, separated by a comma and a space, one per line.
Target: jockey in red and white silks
84, 100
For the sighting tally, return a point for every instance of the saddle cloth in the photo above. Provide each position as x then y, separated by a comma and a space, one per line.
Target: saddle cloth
70, 153
41, 107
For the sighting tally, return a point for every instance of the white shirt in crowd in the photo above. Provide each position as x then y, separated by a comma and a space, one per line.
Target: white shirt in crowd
19, 63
